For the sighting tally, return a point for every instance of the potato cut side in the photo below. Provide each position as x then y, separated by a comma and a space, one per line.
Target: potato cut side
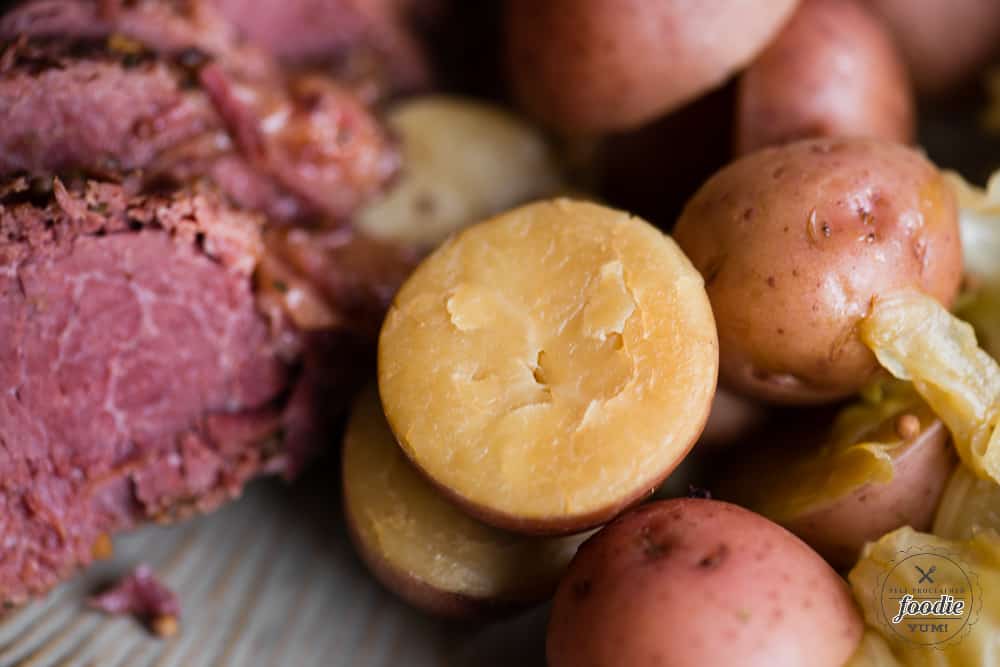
550, 366
465, 160
423, 548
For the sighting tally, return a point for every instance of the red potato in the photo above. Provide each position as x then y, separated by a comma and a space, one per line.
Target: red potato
840, 528
945, 42
550, 367
881, 466
692, 582
599, 65
795, 241
834, 70
424, 549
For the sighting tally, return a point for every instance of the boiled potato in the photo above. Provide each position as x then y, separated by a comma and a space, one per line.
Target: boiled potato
883, 465
945, 42
599, 65
796, 241
463, 161
423, 548
551, 366
832, 71
692, 582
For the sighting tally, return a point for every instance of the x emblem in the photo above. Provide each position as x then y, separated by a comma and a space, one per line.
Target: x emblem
926, 576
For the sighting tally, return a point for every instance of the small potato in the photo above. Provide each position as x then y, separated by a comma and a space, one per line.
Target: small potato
795, 241
691, 583
424, 549
945, 42
549, 367
883, 465
463, 161
832, 71
598, 65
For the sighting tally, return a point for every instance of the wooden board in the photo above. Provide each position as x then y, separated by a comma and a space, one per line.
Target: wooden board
269, 580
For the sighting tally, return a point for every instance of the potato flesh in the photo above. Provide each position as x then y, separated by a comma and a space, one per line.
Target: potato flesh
402, 519
550, 363
982, 556
465, 161
916, 339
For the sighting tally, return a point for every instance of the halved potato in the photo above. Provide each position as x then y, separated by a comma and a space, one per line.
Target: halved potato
551, 366
422, 547
463, 161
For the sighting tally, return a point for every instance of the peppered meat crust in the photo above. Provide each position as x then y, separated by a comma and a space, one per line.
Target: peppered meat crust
298, 146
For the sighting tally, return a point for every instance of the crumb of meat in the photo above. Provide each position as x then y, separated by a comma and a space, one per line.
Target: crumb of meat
103, 547
142, 595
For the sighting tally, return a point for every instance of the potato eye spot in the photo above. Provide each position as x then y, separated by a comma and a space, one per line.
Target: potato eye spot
714, 558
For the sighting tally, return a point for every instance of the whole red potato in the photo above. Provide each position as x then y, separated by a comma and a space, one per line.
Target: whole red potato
599, 65
693, 582
834, 70
945, 42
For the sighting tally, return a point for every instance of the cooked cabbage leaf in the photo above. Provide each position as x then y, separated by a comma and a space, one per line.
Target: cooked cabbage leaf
979, 557
917, 339
979, 216
968, 505
861, 449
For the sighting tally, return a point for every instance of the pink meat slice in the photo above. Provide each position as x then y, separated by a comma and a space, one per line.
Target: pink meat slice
138, 380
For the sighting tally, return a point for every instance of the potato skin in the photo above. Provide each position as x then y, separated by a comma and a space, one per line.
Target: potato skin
596, 65
795, 241
692, 582
945, 42
834, 70
418, 594
839, 529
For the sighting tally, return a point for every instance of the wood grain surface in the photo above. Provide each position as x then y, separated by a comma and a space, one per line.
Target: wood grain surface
268, 580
